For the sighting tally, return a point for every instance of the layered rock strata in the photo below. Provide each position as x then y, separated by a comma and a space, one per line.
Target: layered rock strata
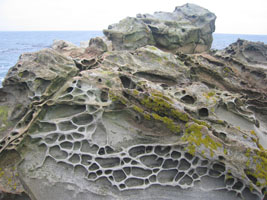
96, 123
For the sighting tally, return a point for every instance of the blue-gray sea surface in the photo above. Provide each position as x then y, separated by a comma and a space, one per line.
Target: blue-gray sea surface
13, 44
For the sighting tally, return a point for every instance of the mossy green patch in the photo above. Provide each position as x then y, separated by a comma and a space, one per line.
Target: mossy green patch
114, 97
203, 123
253, 132
4, 118
168, 122
152, 48
193, 135
210, 94
259, 159
109, 83
162, 105
227, 71
138, 109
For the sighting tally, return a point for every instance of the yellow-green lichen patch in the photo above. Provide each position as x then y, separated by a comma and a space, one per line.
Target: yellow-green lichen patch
152, 48
225, 151
261, 166
108, 83
4, 123
257, 158
193, 135
156, 104
227, 71
209, 94
203, 123
168, 122
158, 94
162, 105
135, 92
147, 116
180, 115
138, 109
253, 132
114, 97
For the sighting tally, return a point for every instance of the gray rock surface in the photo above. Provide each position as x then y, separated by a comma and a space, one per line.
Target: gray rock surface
96, 123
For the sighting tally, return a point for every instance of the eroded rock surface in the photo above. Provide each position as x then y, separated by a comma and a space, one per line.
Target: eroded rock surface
188, 29
139, 124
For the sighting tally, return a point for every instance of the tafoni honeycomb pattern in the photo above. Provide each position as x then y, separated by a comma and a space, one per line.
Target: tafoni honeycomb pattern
76, 137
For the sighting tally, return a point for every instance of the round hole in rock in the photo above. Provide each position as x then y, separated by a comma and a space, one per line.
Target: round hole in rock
127, 170
188, 99
195, 161
219, 167
99, 80
162, 150
214, 173
221, 158
126, 160
184, 164
186, 180
134, 162
238, 185
83, 119
153, 178
92, 176
127, 82
179, 176
251, 177
109, 149
149, 149
134, 182
104, 96
176, 154
101, 151
108, 171
122, 186
263, 191
14, 133
203, 112
69, 89
99, 172
137, 118
195, 176
94, 167
188, 156
229, 181
119, 175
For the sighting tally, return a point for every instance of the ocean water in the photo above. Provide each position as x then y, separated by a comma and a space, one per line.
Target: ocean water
13, 44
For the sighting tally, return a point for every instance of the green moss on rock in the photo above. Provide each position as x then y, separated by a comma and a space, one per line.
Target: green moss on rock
4, 123
193, 135
168, 122
162, 105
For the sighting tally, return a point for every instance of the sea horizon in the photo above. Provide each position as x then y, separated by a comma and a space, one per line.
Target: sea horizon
106, 28
14, 43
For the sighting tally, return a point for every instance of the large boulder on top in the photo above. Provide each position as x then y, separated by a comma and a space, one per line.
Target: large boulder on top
188, 29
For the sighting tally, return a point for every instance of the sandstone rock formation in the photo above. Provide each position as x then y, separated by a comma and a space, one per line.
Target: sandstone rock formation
94, 123
188, 29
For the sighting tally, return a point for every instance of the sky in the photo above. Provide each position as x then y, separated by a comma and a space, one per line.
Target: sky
233, 16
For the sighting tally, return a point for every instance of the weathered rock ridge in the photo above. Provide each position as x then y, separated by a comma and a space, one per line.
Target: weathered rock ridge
142, 123
187, 29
